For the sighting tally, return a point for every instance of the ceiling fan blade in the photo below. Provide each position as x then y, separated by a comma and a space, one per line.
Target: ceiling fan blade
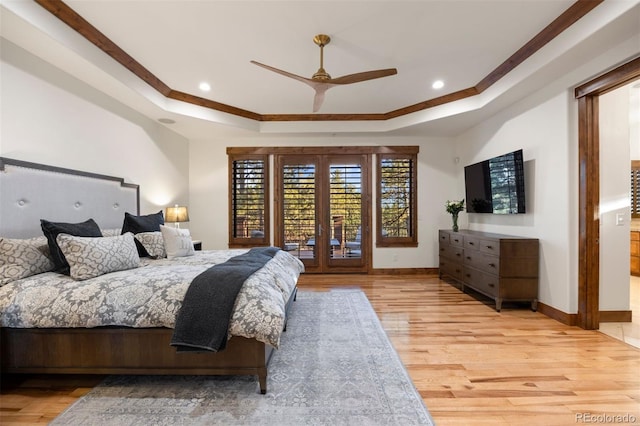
363, 76
285, 73
318, 99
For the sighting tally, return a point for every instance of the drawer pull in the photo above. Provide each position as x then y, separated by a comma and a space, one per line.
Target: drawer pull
458, 254
491, 285
456, 240
490, 247
471, 243
468, 275
468, 257
442, 249
493, 265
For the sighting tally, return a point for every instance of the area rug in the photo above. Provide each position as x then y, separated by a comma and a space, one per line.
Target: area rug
335, 366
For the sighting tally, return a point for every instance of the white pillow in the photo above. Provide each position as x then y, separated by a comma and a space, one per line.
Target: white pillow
177, 242
23, 258
153, 243
89, 257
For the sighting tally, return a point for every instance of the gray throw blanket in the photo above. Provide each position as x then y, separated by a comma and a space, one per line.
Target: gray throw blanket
203, 319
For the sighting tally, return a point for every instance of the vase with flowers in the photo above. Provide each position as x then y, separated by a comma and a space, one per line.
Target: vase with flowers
454, 207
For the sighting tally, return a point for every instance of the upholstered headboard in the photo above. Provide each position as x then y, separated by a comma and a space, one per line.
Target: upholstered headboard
30, 192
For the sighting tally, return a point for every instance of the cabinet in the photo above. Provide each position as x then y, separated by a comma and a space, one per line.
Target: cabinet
502, 267
635, 252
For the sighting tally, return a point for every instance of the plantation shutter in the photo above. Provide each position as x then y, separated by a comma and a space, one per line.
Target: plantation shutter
248, 199
635, 189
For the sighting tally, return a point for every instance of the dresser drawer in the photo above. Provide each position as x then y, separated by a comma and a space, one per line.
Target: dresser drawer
481, 281
443, 237
471, 243
451, 268
490, 246
483, 261
456, 239
452, 252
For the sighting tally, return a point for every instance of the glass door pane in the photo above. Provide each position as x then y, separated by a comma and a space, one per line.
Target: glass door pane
299, 209
345, 201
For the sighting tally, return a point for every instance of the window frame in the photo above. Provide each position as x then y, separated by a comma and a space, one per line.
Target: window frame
412, 239
242, 242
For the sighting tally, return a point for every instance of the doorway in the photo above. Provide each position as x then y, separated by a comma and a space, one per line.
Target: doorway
322, 210
589, 192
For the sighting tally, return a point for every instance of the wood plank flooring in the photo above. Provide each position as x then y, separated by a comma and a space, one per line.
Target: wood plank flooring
471, 364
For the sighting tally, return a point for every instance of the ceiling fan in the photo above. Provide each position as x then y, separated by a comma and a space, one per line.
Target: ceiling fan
321, 81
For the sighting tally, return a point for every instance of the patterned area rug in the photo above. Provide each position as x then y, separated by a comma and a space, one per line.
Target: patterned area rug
336, 366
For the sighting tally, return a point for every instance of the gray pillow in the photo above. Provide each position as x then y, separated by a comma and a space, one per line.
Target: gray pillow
90, 257
23, 258
153, 243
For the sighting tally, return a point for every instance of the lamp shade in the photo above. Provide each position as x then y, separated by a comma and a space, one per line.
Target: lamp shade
176, 214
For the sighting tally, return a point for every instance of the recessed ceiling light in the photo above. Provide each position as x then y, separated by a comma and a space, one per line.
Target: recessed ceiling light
204, 86
438, 84
166, 120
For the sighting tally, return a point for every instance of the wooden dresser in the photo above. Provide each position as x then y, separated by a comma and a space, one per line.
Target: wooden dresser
502, 267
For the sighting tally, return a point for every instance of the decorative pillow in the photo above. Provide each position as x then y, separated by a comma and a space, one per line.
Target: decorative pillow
177, 242
90, 257
112, 232
23, 258
153, 243
51, 230
145, 223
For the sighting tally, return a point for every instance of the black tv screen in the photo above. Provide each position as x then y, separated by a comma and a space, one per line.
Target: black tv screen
496, 185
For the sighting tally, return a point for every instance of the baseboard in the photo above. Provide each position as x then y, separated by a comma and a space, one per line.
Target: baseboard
615, 316
404, 271
572, 319
558, 315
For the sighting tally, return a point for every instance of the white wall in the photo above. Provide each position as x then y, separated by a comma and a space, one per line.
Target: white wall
436, 177
51, 118
615, 161
544, 125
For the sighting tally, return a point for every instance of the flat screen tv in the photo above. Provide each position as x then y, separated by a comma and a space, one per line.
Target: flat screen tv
496, 185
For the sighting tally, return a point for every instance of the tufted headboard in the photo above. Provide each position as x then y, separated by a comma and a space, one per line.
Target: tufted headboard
30, 192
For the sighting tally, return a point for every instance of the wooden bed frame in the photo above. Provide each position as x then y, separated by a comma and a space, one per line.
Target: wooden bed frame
122, 350
105, 350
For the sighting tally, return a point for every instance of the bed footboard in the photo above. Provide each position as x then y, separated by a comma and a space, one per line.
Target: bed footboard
124, 351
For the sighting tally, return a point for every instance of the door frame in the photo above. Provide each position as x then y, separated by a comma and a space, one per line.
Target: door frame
589, 187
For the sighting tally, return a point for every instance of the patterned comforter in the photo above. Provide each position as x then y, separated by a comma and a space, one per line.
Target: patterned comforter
150, 296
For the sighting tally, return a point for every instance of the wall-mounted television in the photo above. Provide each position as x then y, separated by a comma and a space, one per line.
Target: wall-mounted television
496, 185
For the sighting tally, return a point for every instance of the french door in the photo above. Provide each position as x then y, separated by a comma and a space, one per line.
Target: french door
322, 210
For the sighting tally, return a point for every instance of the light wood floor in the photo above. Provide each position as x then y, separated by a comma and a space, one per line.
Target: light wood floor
472, 365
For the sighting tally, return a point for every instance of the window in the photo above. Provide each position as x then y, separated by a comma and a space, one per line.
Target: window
333, 198
396, 206
249, 200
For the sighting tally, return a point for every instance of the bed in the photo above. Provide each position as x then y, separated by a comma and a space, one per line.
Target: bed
122, 321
